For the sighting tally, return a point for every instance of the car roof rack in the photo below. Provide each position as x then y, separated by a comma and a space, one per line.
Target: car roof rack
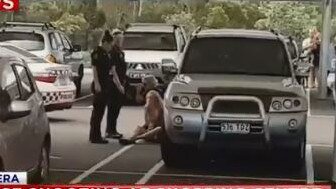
198, 29
44, 26
152, 24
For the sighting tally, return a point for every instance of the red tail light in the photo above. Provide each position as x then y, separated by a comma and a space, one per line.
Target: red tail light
47, 78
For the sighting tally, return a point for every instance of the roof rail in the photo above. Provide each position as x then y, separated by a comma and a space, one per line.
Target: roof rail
152, 24
44, 26
274, 32
198, 29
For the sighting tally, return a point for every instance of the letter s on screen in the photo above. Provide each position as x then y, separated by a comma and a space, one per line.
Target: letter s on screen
9, 5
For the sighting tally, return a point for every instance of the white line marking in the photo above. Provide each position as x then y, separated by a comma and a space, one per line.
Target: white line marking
83, 98
233, 177
55, 157
192, 176
308, 99
309, 164
88, 172
322, 145
151, 173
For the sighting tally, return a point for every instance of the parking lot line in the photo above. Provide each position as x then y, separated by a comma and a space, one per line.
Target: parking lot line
83, 98
308, 99
151, 173
104, 162
309, 165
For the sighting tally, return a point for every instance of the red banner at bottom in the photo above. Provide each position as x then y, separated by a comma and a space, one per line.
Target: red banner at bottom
165, 187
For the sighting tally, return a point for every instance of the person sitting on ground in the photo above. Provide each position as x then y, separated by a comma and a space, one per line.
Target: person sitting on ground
150, 93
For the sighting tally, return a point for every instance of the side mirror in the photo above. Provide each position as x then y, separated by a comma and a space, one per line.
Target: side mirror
76, 48
18, 109
169, 66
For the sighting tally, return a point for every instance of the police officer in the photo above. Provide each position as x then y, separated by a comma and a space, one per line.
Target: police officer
118, 93
104, 73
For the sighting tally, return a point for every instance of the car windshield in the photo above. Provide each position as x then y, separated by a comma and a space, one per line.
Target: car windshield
150, 41
28, 41
237, 56
27, 56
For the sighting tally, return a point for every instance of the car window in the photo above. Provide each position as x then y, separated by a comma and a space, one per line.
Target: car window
53, 41
28, 41
65, 42
27, 56
149, 41
59, 41
180, 38
10, 83
237, 56
26, 85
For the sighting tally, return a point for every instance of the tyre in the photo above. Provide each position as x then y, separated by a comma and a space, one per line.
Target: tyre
42, 173
175, 155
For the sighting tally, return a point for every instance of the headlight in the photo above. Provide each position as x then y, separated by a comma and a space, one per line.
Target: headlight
184, 101
288, 104
276, 105
195, 103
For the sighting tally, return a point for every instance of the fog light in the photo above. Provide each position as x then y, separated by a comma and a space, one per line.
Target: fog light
292, 124
178, 120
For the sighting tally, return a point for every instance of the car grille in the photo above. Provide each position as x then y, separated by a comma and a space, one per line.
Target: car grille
143, 66
237, 106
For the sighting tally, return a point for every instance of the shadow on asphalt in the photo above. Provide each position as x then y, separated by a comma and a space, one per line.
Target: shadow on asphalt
60, 120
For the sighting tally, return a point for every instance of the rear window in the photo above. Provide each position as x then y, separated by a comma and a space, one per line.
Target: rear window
25, 55
28, 41
150, 41
237, 56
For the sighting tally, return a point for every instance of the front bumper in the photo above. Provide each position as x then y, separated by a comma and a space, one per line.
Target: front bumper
57, 95
271, 130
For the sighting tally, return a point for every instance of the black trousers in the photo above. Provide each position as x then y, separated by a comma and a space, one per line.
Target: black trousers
113, 102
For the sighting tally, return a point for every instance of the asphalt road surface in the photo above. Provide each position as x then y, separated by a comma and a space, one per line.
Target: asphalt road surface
74, 160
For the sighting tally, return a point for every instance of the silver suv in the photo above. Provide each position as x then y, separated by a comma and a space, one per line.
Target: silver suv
25, 133
45, 41
147, 45
235, 89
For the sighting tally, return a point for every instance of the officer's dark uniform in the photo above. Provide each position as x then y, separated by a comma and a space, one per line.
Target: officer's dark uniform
102, 60
117, 99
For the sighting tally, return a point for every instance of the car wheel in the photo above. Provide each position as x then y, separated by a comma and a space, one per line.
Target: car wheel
175, 155
43, 166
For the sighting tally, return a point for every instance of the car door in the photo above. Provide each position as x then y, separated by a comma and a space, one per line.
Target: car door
13, 138
28, 92
70, 57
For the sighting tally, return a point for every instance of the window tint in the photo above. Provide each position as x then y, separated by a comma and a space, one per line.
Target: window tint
53, 41
237, 56
10, 83
28, 41
59, 41
150, 41
65, 42
26, 86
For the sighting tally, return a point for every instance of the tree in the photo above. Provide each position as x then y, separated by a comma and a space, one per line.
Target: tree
71, 23
217, 18
184, 19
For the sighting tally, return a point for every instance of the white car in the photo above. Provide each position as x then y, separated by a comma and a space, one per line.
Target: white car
148, 45
53, 80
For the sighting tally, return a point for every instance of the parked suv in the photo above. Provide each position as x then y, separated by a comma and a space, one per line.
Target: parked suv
25, 133
147, 45
45, 41
235, 89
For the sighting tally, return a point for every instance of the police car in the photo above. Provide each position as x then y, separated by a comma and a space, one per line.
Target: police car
53, 80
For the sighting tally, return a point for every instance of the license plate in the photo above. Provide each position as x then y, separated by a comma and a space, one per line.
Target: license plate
137, 75
66, 96
236, 128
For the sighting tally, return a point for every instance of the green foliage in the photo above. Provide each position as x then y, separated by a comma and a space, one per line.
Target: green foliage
184, 19
71, 23
156, 12
44, 12
289, 18
217, 18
